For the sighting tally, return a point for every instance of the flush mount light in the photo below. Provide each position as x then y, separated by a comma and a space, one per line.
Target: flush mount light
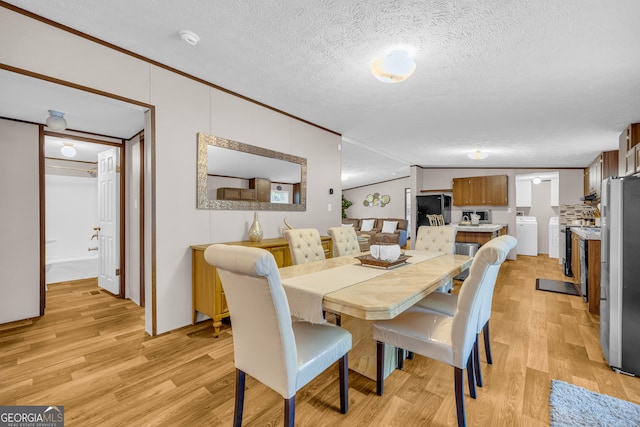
68, 150
189, 37
56, 120
477, 155
536, 180
394, 67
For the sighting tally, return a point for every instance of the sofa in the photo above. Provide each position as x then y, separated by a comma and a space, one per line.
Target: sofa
393, 232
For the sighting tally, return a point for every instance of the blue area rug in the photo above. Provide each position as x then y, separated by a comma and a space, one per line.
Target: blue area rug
575, 406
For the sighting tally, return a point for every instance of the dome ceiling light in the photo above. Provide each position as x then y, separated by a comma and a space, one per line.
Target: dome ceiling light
395, 67
477, 155
536, 180
189, 37
56, 120
68, 150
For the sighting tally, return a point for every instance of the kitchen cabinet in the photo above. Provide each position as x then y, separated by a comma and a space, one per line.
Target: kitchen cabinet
523, 193
575, 258
262, 188
207, 293
629, 143
479, 234
603, 166
229, 193
480, 190
585, 264
555, 192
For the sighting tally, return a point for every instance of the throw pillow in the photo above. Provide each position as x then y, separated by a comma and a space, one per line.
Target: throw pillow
389, 226
367, 224
347, 225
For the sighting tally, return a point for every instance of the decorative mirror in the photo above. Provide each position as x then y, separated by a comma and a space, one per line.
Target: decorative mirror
237, 176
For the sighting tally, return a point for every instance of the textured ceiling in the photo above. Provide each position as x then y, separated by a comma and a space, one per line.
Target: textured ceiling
541, 83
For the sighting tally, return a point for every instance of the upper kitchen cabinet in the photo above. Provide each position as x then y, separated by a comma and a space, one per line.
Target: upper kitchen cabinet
480, 190
630, 150
603, 166
523, 192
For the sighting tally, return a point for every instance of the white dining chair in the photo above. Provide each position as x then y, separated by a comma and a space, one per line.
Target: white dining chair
305, 245
438, 239
345, 241
446, 303
447, 339
283, 354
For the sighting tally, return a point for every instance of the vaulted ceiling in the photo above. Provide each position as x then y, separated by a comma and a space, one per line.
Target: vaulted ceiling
534, 83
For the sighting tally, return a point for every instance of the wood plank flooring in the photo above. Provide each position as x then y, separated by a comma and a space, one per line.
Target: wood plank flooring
90, 353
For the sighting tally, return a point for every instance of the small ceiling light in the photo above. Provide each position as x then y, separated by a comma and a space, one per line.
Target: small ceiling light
56, 120
189, 37
536, 180
68, 150
394, 67
344, 177
477, 155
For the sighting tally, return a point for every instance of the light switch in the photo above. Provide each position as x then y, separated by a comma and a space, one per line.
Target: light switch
329, 207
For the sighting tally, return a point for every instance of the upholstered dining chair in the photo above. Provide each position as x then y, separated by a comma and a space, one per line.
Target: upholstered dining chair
446, 303
283, 354
305, 245
345, 241
440, 239
448, 339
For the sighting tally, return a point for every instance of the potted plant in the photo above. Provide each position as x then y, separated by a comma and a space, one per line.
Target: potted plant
345, 205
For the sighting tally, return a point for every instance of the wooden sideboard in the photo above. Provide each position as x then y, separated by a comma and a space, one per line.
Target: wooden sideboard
207, 292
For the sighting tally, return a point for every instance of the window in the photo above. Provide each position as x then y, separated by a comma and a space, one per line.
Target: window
279, 196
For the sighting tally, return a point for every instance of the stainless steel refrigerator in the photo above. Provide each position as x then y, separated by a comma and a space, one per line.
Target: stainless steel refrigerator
620, 274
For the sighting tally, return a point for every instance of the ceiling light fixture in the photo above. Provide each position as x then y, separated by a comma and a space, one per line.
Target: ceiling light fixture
56, 120
536, 180
395, 67
68, 150
189, 37
477, 155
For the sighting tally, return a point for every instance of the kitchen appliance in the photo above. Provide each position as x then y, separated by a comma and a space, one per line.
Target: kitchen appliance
483, 216
433, 204
565, 249
620, 274
527, 235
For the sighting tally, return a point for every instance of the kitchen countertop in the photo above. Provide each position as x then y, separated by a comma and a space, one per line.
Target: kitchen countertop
587, 233
481, 228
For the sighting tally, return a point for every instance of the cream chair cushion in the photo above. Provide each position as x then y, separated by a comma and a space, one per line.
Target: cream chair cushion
345, 241
437, 238
305, 245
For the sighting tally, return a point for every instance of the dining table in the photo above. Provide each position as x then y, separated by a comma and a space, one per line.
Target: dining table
358, 293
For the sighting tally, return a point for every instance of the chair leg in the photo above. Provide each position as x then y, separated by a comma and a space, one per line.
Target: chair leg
290, 411
239, 404
380, 369
343, 367
400, 358
487, 343
470, 376
459, 387
476, 362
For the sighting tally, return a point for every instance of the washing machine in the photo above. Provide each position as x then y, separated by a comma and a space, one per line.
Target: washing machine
527, 235
554, 237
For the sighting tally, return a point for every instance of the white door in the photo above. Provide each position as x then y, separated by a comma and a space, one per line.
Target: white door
108, 209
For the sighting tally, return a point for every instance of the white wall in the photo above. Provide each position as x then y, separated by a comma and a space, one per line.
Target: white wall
71, 214
19, 222
183, 108
394, 209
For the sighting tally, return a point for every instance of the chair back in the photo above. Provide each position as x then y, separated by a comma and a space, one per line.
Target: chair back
482, 276
487, 298
305, 245
437, 238
263, 340
345, 241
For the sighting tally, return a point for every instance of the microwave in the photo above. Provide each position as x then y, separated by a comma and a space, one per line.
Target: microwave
485, 215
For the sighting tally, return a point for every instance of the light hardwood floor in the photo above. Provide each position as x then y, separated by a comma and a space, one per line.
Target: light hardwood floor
90, 354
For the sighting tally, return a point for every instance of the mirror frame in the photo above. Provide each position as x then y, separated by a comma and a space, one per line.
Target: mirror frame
203, 202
